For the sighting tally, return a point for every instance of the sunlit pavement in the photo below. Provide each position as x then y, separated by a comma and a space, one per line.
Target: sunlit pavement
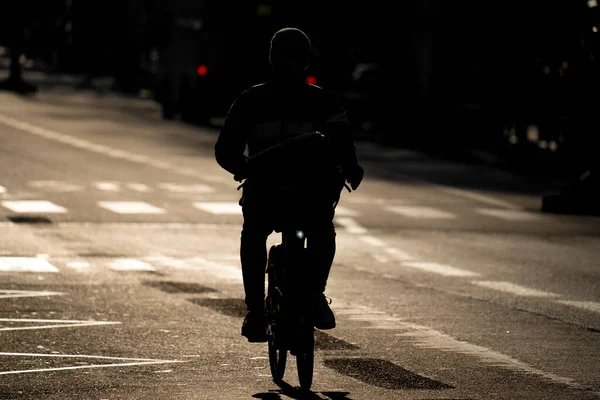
120, 277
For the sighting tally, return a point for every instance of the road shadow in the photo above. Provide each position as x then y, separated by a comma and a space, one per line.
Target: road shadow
299, 394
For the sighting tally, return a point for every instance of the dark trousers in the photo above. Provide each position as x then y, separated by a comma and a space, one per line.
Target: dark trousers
258, 225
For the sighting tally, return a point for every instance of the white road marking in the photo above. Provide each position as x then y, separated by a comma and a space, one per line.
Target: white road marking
480, 197
441, 269
426, 337
131, 207
2, 189
350, 225
51, 323
98, 148
219, 270
6, 294
371, 240
512, 288
420, 212
134, 361
108, 186
138, 187
78, 264
398, 254
380, 258
56, 186
222, 207
198, 188
145, 225
584, 305
130, 264
33, 206
345, 212
26, 264
510, 215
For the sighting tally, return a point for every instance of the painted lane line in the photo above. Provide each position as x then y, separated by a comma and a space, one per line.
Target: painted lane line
509, 215
131, 207
398, 254
138, 187
350, 225
26, 264
6, 294
198, 188
56, 186
130, 264
145, 225
84, 356
133, 362
98, 148
380, 258
584, 305
218, 270
220, 208
429, 338
441, 269
345, 212
33, 206
108, 186
512, 288
480, 197
78, 265
371, 240
420, 212
51, 323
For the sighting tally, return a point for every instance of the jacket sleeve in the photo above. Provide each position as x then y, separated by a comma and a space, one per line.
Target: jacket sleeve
339, 129
231, 143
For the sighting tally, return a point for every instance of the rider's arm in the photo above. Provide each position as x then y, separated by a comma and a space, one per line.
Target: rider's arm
339, 129
231, 143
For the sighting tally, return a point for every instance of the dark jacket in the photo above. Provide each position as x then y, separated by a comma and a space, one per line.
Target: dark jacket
273, 112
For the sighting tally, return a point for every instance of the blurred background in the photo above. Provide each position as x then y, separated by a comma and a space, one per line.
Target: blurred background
515, 79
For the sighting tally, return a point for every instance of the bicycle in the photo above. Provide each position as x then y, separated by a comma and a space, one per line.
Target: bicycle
290, 323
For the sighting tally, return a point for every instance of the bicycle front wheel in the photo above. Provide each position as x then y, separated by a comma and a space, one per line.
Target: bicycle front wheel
277, 360
305, 359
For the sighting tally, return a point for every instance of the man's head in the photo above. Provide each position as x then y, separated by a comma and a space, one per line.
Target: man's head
290, 50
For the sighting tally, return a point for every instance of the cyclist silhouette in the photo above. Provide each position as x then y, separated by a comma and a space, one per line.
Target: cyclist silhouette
273, 113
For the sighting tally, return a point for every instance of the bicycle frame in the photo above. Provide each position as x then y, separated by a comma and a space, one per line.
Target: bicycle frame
291, 327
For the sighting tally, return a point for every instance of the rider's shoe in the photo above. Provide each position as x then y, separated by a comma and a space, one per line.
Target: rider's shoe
324, 318
254, 327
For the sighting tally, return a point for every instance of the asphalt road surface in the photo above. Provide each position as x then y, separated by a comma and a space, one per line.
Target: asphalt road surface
120, 275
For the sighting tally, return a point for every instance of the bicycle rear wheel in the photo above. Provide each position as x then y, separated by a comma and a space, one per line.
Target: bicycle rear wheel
305, 358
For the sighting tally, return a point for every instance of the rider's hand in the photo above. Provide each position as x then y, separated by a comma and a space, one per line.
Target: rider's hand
355, 177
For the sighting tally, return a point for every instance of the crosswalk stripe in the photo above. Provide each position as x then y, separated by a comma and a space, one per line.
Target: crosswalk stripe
26, 264
138, 187
198, 188
510, 215
420, 212
345, 212
131, 207
130, 264
219, 207
27, 206
108, 186
55, 186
